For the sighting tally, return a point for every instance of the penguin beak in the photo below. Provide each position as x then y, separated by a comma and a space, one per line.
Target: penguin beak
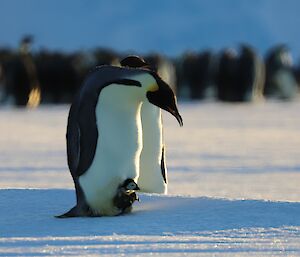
175, 113
165, 99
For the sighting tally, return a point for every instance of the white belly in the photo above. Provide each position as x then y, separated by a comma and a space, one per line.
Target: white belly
118, 150
150, 179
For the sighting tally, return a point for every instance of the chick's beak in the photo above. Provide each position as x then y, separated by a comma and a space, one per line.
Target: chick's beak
164, 98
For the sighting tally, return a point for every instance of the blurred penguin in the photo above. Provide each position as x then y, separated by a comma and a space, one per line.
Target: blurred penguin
280, 79
250, 75
226, 75
34, 97
240, 76
199, 72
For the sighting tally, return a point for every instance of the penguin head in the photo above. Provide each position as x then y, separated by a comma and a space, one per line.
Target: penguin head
134, 61
158, 92
161, 95
129, 184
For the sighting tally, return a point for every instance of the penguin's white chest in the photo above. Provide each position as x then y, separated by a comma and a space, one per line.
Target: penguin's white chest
118, 149
151, 179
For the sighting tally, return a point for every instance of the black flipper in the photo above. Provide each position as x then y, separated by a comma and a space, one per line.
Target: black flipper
163, 166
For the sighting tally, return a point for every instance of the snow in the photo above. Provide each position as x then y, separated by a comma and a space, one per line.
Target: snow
234, 187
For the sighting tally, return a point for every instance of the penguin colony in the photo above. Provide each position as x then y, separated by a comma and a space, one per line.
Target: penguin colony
109, 147
231, 75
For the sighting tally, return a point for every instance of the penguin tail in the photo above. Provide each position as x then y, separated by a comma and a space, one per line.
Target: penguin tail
74, 212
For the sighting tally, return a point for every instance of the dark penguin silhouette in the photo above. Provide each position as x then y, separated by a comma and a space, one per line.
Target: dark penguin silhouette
59, 78
280, 78
250, 75
20, 76
198, 72
240, 76
226, 76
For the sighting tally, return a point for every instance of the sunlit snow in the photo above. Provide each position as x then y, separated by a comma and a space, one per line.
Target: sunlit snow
234, 187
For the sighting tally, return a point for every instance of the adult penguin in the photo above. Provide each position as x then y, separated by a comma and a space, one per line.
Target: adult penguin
104, 138
280, 79
153, 170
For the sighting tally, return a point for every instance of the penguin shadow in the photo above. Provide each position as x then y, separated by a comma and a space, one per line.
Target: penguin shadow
199, 214
30, 212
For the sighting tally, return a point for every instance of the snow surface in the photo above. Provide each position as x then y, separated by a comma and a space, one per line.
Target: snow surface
234, 187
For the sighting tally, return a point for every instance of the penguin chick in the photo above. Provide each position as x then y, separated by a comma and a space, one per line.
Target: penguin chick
129, 184
126, 196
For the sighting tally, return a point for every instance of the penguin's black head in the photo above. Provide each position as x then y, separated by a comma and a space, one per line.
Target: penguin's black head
161, 94
134, 61
129, 184
163, 97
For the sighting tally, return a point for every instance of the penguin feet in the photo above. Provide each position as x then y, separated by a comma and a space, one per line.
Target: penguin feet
79, 211
122, 201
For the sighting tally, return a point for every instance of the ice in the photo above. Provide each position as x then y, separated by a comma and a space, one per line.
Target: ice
172, 224
234, 187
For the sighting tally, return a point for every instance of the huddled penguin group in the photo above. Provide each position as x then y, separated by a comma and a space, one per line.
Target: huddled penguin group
114, 137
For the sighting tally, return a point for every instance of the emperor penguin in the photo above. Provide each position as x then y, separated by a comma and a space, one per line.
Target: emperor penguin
280, 81
153, 170
104, 134
126, 195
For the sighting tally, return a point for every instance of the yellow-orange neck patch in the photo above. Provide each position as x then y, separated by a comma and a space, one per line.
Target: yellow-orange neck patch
153, 88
